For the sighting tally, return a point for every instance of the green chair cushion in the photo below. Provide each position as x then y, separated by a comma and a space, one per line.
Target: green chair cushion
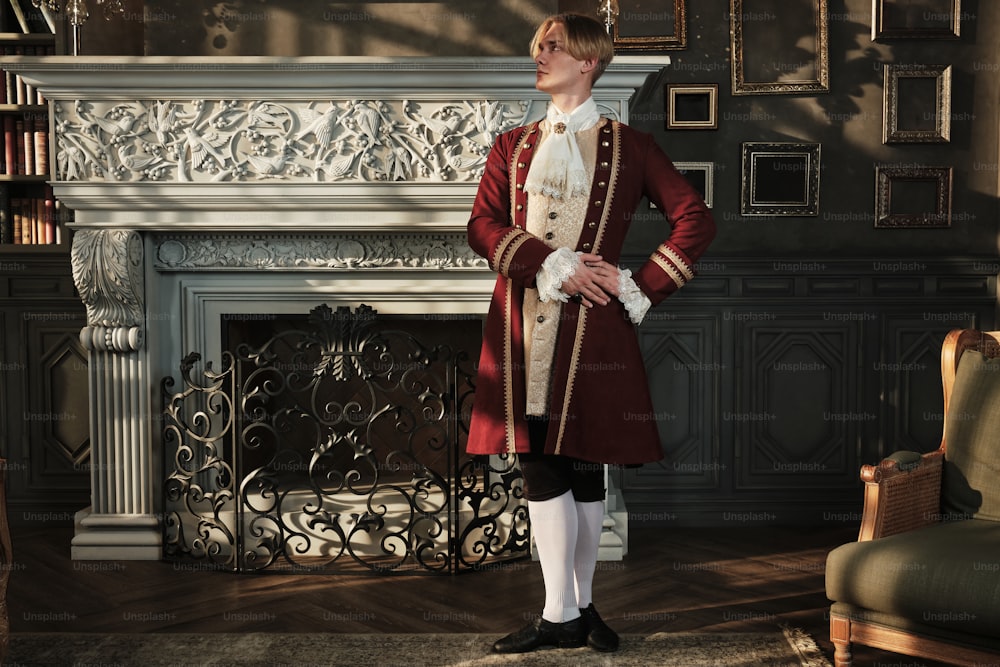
946, 575
970, 484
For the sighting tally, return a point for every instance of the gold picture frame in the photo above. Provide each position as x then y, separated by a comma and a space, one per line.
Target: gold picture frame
912, 197
644, 25
906, 19
774, 52
692, 106
916, 104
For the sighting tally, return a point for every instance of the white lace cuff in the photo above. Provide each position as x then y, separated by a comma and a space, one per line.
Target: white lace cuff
636, 303
556, 269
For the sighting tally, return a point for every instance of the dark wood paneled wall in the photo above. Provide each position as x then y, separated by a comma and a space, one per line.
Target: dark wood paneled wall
44, 422
774, 381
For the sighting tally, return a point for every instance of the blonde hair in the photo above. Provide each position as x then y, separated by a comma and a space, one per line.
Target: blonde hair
586, 38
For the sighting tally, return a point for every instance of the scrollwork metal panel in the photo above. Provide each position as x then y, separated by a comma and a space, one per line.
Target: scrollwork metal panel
336, 446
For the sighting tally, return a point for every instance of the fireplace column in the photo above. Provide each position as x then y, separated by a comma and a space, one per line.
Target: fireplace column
120, 523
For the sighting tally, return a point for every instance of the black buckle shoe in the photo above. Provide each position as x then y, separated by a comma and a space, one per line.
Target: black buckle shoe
599, 636
538, 633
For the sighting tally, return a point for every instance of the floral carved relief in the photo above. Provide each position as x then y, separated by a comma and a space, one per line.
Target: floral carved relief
321, 252
304, 141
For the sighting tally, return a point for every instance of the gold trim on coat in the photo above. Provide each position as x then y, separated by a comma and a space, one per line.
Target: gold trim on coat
581, 321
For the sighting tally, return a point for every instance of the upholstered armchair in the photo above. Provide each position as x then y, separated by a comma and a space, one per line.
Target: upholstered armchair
923, 579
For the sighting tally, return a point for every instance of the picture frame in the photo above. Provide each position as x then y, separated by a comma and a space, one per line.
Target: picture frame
780, 179
916, 104
771, 52
644, 25
921, 19
912, 197
692, 106
701, 176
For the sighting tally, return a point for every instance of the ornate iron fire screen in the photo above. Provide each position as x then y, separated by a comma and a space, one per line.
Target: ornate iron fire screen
334, 446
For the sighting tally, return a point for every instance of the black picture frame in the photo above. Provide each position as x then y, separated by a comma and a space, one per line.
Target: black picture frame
780, 179
912, 197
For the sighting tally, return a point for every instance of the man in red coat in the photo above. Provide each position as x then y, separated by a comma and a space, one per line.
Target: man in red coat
561, 380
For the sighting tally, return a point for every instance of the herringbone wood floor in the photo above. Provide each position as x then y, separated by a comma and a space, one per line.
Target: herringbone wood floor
673, 580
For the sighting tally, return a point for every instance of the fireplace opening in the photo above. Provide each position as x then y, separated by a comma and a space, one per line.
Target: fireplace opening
335, 441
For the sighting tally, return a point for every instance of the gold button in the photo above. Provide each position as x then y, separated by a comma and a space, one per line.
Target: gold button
520, 207
527, 145
602, 184
586, 246
605, 165
520, 186
521, 165
607, 130
598, 202
605, 143
592, 225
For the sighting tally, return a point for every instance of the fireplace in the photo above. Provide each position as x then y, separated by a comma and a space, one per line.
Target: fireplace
206, 188
335, 443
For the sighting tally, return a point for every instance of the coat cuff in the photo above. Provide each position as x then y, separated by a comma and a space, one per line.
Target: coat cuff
667, 270
556, 269
635, 302
519, 256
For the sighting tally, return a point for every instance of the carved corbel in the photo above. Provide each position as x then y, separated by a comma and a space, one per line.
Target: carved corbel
108, 272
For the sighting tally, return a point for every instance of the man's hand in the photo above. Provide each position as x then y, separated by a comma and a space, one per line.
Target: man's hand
593, 282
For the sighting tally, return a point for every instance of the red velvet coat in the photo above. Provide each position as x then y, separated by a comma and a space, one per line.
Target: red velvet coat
600, 407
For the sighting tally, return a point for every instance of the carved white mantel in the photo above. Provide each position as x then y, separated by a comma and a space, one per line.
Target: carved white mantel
206, 186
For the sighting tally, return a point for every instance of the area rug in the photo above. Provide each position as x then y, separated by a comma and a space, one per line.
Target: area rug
786, 648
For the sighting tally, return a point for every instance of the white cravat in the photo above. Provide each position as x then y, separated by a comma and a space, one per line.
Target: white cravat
557, 169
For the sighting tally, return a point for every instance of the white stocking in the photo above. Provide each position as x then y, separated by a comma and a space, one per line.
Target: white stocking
588, 540
554, 526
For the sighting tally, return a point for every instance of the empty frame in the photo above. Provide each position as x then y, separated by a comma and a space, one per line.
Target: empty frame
916, 19
917, 104
779, 46
912, 196
780, 179
692, 106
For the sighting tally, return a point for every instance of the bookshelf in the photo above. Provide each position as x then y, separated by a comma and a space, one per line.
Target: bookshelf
30, 217
43, 367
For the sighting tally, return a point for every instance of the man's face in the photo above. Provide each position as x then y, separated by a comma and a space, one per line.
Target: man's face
558, 72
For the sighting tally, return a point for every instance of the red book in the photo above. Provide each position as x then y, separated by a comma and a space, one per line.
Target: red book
9, 145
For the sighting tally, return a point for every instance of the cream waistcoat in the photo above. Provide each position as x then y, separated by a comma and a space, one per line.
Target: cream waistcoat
558, 222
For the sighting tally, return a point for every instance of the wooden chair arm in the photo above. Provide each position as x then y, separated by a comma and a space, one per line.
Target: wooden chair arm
901, 493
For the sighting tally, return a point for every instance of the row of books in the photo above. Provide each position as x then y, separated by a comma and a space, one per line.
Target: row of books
22, 16
25, 142
29, 220
15, 89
